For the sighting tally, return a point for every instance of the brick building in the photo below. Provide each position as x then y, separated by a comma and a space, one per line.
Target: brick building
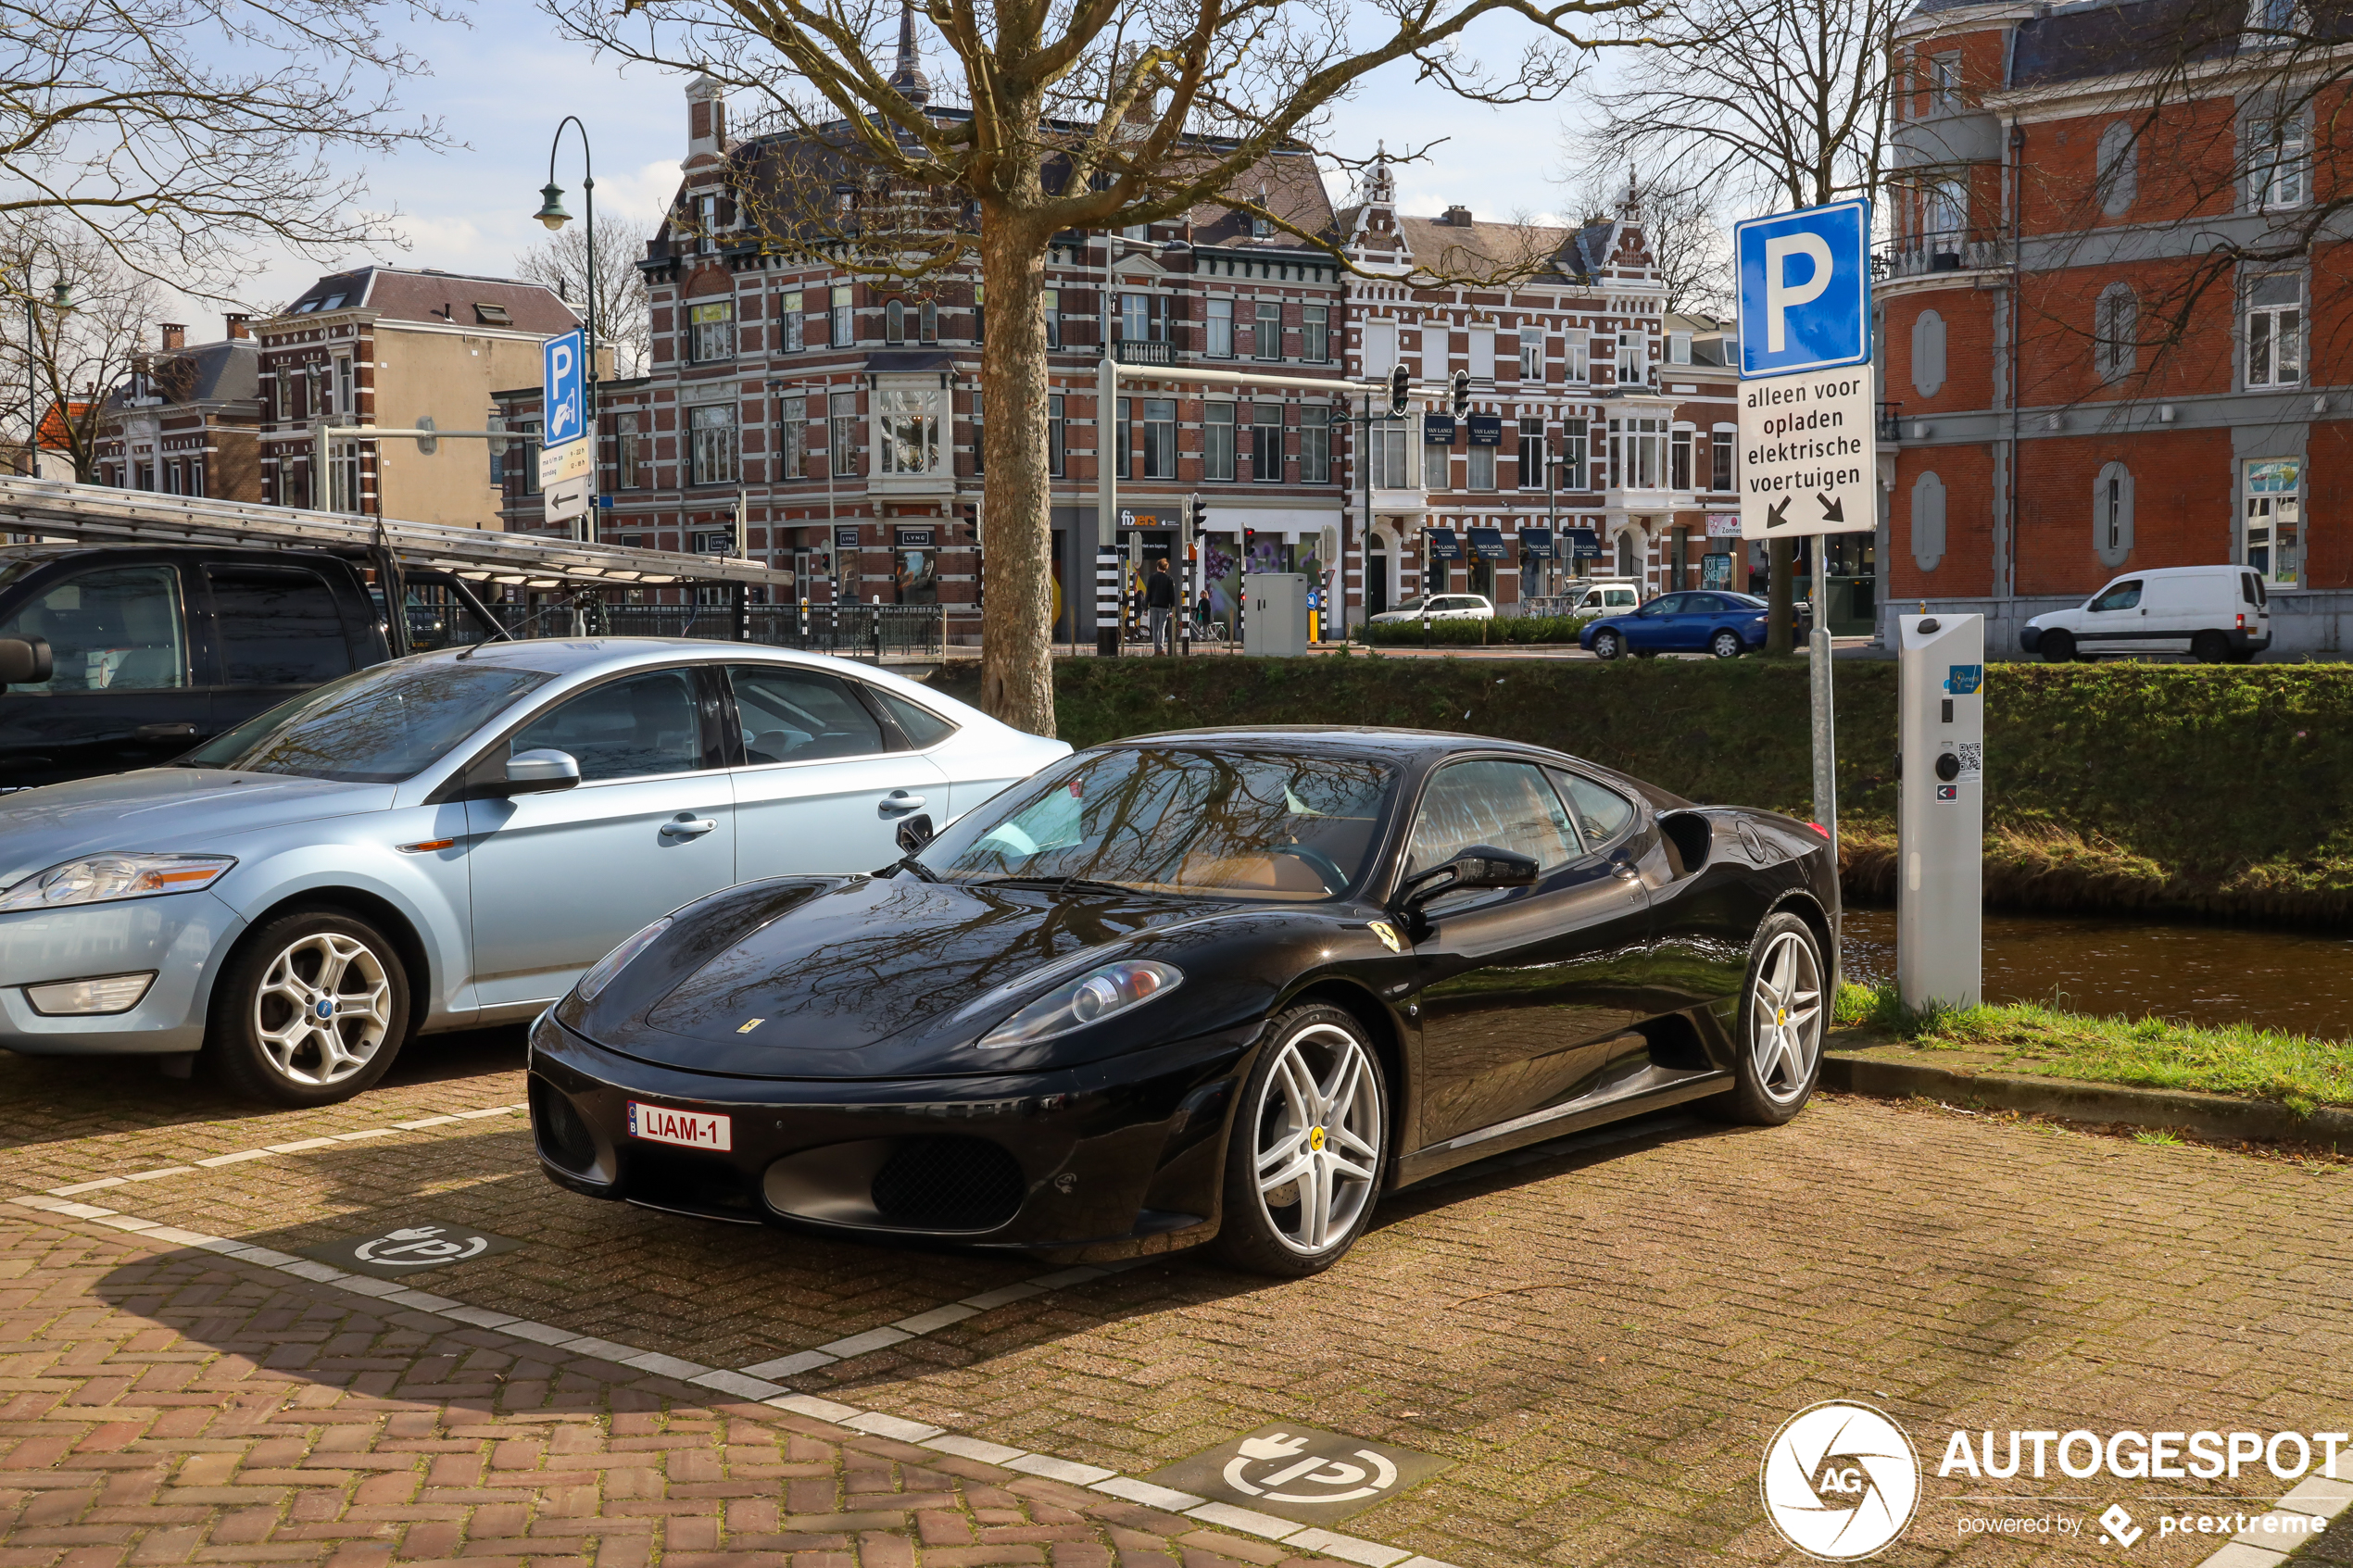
2076, 388
186, 421
1593, 413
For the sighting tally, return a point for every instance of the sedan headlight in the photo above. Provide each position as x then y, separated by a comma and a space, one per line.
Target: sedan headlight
612, 963
102, 879
1090, 998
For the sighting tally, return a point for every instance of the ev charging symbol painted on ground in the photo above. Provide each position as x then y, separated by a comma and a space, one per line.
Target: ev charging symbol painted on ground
411, 1248
1805, 289
1301, 1471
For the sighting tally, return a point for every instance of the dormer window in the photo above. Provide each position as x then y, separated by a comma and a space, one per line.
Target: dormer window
491, 315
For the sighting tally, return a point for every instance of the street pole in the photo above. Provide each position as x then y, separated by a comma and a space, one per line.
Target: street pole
551, 213
1825, 730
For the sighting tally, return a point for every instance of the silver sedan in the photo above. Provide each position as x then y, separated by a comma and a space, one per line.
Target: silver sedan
447, 841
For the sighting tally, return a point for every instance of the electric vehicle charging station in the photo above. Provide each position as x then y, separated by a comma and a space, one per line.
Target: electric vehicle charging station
1940, 817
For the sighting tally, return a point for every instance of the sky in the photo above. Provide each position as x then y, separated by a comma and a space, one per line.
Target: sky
502, 85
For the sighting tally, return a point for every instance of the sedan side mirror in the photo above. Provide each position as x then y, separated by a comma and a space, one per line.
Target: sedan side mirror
914, 833
1481, 865
25, 662
534, 772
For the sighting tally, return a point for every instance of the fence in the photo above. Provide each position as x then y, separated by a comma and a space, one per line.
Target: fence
858, 631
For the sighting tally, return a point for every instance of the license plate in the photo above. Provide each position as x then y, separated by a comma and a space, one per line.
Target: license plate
688, 1129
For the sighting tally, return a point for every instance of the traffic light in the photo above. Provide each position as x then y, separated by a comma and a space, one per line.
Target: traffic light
1461, 398
1400, 385
1196, 523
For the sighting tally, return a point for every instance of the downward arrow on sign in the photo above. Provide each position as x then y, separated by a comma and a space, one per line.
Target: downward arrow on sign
1776, 514
1832, 511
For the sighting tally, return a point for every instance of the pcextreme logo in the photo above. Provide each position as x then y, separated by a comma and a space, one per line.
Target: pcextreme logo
1839, 1481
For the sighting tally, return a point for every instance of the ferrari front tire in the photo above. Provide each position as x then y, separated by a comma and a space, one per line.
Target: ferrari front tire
1308, 1148
1784, 1011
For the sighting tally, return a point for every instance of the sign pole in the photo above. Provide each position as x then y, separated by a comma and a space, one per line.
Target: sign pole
1825, 728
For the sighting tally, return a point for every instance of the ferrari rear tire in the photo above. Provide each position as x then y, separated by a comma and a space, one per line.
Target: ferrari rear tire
310, 1010
1784, 1011
1726, 645
1308, 1149
1608, 644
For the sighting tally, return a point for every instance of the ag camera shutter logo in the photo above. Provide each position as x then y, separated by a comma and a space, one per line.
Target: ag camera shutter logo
1839, 1481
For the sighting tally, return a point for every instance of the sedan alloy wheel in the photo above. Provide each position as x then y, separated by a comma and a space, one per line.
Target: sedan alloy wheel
1305, 1161
311, 1010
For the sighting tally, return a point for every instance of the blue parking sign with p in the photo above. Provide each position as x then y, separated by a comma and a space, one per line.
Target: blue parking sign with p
1806, 290
559, 389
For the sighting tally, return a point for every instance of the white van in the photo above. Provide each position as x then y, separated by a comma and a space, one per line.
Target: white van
2217, 614
1607, 597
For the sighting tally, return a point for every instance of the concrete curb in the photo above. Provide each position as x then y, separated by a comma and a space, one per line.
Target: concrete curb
2219, 1117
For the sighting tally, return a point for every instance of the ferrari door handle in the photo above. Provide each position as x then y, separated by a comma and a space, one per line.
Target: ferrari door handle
900, 800
1625, 873
687, 826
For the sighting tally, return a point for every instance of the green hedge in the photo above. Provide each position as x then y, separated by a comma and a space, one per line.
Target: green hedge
1501, 630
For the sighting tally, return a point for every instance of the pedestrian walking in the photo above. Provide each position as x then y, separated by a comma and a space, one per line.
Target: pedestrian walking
1160, 602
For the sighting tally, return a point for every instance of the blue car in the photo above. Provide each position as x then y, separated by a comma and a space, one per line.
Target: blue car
1714, 621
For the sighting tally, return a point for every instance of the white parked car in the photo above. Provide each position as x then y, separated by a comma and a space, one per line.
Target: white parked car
1610, 597
1442, 607
2217, 614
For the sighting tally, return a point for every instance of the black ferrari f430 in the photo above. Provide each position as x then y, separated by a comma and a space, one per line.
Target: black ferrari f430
1226, 985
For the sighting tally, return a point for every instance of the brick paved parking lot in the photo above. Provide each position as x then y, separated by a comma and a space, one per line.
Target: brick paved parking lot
1601, 1337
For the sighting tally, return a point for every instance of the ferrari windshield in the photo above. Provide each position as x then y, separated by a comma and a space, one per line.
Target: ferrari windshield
1235, 825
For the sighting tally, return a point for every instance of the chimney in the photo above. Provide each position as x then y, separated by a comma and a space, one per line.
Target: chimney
1459, 217
236, 321
706, 118
175, 337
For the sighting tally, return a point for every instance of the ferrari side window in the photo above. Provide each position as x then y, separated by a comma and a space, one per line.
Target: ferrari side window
1603, 813
1506, 805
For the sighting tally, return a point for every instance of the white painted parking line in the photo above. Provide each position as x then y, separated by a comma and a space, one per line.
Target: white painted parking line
299, 1145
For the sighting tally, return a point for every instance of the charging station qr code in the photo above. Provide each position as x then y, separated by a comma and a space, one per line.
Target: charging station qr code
1972, 754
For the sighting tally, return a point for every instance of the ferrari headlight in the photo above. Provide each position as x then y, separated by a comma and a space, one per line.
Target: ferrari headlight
1090, 998
103, 879
612, 963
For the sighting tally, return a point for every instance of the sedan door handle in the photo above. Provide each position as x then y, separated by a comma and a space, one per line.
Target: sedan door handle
164, 732
687, 826
900, 800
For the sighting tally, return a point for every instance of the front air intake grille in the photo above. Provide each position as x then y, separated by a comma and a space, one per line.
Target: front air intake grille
675, 1179
564, 1138
949, 1185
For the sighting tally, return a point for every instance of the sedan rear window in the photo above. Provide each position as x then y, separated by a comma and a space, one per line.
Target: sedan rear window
1252, 825
378, 726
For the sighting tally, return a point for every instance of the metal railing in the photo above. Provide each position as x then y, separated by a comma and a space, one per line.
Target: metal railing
869, 631
1950, 250
1891, 422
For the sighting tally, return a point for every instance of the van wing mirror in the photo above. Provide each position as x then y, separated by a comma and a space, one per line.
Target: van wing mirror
1481, 865
534, 772
25, 662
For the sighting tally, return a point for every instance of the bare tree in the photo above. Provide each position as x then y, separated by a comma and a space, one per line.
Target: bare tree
176, 133
75, 357
1756, 106
1687, 238
1089, 114
624, 323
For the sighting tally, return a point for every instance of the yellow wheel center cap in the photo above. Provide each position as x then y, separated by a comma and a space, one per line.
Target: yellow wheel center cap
1780, 1018
1315, 1139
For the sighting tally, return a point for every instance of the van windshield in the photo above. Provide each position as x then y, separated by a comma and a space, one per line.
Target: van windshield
376, 726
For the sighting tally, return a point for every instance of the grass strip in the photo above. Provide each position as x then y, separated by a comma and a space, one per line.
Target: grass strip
2295, 1071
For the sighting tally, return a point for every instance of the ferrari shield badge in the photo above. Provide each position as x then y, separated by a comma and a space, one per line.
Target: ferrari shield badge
1388, 935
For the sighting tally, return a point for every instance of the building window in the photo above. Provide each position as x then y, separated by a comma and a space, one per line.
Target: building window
980, 316
1438, 463
1573, 453
1217, 441
791, 325
1629, 356
346, 392
1221, 329
711, 331
2281, 163
1943, 214
2115, 332
1140, 318
1315, 333
927, 320
895, 322
1481, 469
1678, 348
1057, 437
1315, 443
1678, 461
2112, 515
711, 428
522, 458
706, 223
1626, 564
2118, 166
841, 459
843, 331
1577, 353
1160, 438
907, 423
1636, 458
1944, 84
1266, 343
196, 477
1391, 445
1531, 454
980, 432
629, 456
1123, 439
1380, 349
1266, 442
1723, 477
2274, 519
1532, 359
2275, 330
1049, 307
792, 437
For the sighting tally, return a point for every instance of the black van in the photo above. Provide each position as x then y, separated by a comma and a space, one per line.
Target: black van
154, 649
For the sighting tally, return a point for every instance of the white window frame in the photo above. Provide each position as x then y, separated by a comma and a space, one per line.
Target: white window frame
715, 438
2274, 329
1220, 344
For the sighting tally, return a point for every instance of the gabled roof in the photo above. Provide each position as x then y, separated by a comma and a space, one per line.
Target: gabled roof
428, 293
227, 372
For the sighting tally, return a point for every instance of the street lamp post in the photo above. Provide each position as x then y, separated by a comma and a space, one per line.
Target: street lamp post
61, 301
552, 214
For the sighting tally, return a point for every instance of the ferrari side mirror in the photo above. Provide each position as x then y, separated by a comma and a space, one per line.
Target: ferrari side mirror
1481, 865
914, 833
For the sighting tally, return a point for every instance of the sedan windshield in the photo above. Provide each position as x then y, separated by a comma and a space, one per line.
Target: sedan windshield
378, 726
1230, 825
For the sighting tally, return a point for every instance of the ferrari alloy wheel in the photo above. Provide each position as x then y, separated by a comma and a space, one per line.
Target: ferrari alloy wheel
1608, 644
1303, 1162
1784, 1009
1725, 645
311, 1010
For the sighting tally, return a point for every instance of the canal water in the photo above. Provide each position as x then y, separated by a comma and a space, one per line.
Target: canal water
2271, 977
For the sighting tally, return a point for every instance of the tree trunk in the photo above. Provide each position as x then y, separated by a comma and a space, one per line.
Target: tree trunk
1016, 528
1781, 615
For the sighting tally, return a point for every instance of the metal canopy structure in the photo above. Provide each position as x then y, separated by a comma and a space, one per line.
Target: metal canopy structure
102, 515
